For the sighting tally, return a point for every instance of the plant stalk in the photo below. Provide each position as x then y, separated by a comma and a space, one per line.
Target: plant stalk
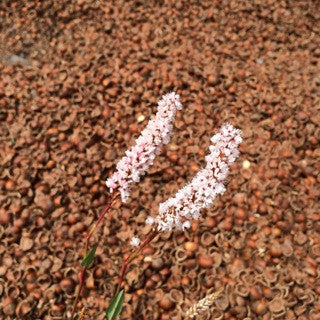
88, 236
102, 214
132, 256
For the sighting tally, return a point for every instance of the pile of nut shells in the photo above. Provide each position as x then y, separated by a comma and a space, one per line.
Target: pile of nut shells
79, 81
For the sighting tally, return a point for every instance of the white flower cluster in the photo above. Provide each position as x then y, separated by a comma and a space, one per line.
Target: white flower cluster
141, 156
205, 186
135, 241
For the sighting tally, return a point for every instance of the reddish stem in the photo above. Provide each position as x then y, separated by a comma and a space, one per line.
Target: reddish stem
102, 214
132, 256
88, 236
81, 278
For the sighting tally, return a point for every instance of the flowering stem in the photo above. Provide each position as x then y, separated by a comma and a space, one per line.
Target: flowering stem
103, 213
88, 236
81, 280
132, 256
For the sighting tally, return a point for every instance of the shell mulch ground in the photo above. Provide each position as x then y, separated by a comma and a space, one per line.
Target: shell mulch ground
79, 81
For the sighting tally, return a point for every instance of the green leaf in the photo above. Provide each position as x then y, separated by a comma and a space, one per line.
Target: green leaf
120, 305
75, 318
115, 306
87, 260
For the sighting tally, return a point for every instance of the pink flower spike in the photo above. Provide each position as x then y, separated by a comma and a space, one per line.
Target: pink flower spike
141, 156
205, 186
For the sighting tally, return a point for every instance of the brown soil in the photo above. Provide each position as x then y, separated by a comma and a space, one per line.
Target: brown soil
76, 77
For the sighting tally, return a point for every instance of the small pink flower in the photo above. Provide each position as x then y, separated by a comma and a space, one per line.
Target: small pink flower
135, 241
150, 221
